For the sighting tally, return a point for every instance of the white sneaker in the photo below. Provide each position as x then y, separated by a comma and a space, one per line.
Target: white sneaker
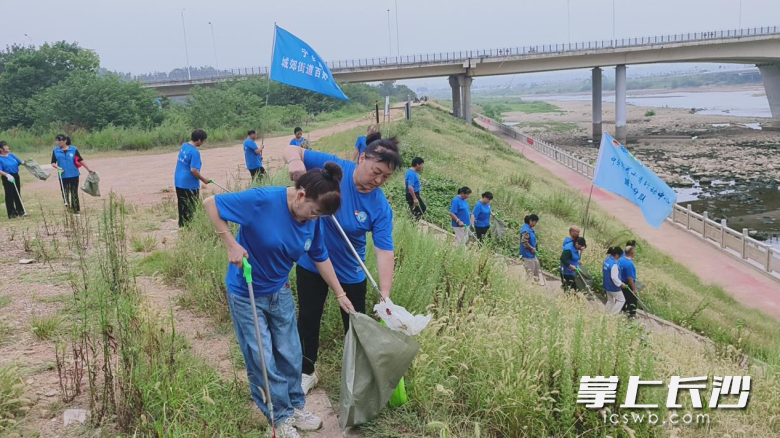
309, 381
286, 429
305, 420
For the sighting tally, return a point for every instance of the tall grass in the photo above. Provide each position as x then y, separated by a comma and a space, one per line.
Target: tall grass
12, 405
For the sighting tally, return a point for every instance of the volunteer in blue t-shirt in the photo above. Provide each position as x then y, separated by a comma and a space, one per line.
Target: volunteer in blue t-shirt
277, 226
574, 233
570, 262
66, 159
363, 141
187, 177
364, 209
628, 276
613, 285
299, 140
480, 216
460, 214
529, 247
412, 188
253, 155
12, 185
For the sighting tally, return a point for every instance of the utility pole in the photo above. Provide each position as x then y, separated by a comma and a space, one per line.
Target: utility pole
397, 36
568, 18
186, 50
214, 44
613, 20
389, 34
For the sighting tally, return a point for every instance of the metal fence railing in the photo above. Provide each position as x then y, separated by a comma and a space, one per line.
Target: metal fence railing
739, 244
498, 52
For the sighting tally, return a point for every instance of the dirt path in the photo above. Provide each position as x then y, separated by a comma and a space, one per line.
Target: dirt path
742, 282
146, 179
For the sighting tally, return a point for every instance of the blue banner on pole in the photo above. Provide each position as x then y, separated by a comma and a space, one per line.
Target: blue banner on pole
620, 172
296, 64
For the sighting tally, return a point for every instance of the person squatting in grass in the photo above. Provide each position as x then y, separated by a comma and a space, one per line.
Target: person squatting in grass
9, 169
628, 276
253, 155
299, 140
459, 212
613, 285
528, 246
66, 159
277, 226
480, 215
364, 209
570, 262
187, 177
412, 188
363, 141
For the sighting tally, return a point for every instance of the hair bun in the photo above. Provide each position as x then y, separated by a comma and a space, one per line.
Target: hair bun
332, 171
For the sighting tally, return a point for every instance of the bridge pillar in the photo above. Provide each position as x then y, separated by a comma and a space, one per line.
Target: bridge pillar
620, 104
465, 91
596, 88
770, 74
455, 85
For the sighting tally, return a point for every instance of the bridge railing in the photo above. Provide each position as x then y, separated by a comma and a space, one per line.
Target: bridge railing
738, 244
462, 56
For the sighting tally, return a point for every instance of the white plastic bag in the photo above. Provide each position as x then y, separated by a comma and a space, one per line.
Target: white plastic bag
399, 319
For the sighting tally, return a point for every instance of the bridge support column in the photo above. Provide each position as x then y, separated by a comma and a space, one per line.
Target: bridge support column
620, 104
770, 74
465, 91
596, 88
455, 85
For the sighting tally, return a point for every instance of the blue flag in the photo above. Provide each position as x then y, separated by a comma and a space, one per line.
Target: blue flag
620, 172
298, 65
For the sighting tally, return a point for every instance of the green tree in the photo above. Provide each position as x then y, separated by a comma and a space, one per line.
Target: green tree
223, 106
89, 101
25, 71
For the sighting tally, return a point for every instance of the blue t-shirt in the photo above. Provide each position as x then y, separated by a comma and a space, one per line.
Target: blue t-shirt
10, 164
361, 145
359, 214
65, 160
481, 214
189, 158
296, 142
411, 178
253, 161
627, 269
460, 207
270, 235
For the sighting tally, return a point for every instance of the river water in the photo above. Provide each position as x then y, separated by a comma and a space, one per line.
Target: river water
743, 103
755, 208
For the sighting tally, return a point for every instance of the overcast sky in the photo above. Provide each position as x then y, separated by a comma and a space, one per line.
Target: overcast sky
146, 35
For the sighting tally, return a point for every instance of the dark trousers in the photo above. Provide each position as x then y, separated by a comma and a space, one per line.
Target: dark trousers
631, 302
312, 293
186, 199
13, 205
418, 210
70, 193
257, 173
481, 231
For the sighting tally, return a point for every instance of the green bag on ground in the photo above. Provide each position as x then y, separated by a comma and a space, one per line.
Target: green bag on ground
92, 184
375, 359
36, 170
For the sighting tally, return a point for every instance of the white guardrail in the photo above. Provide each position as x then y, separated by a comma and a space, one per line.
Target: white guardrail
738, 244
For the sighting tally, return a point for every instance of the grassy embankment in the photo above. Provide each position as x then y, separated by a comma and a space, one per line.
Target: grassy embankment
501, 356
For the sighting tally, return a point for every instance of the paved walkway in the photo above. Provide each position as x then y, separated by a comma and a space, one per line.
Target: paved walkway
745, 284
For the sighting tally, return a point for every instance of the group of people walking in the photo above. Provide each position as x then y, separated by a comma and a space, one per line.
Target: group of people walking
65, 159
280, 227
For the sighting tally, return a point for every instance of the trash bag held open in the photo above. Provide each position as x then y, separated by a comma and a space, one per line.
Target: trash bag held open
375, 359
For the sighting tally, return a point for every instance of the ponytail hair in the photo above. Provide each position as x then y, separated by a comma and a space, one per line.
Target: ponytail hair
323, 186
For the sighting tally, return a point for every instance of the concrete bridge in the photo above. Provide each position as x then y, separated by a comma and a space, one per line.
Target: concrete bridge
759, 46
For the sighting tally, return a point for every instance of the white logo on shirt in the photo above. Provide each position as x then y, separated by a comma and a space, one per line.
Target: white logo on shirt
307, 245
361, 216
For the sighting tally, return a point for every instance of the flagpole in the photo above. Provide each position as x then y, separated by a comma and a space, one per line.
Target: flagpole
268, 79
587, 210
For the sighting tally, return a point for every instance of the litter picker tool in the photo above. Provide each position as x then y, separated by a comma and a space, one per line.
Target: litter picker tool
269, 401
354, 252
211, 181
62, 187
471, 233
587, 284
20, 197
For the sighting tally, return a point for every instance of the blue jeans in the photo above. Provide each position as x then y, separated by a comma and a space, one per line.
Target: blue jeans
281, 347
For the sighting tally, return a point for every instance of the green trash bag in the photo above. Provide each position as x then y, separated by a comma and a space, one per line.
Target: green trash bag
375, 359
399, 396
92, 184
36, 170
